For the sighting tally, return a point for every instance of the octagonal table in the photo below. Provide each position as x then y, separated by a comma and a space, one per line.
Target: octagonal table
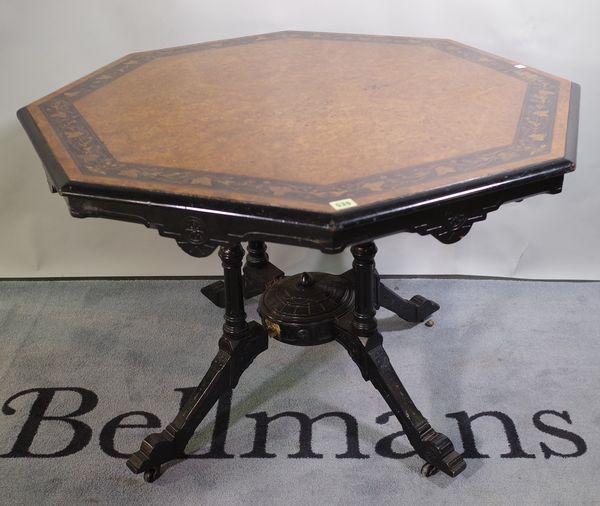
312, 139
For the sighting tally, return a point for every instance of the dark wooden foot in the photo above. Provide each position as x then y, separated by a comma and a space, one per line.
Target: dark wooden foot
257, 274
417, 309
232, 360
215, 292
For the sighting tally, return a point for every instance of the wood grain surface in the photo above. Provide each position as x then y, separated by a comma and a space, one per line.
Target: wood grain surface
300, 119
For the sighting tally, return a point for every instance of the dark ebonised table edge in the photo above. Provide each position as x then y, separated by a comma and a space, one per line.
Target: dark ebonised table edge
447, 213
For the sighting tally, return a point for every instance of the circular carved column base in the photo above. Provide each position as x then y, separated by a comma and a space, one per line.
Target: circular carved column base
301, 309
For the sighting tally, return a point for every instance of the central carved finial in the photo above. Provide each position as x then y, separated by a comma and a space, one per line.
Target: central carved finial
305, 279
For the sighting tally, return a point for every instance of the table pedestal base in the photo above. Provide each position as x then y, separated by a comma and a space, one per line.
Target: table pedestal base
306, 309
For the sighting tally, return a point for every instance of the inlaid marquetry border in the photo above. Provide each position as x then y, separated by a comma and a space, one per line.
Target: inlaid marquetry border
533, 135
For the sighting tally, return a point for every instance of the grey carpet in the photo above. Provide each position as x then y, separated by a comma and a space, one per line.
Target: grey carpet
526, 353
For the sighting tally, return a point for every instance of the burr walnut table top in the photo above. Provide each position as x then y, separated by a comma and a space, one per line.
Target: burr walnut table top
329, 124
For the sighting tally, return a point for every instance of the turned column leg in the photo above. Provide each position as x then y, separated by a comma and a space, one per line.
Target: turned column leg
239, 345
258, 272
417, 309
256, 254
366, 282
359, 335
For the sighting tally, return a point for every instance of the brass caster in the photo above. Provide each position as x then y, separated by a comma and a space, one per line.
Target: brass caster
429, 470
152, 474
